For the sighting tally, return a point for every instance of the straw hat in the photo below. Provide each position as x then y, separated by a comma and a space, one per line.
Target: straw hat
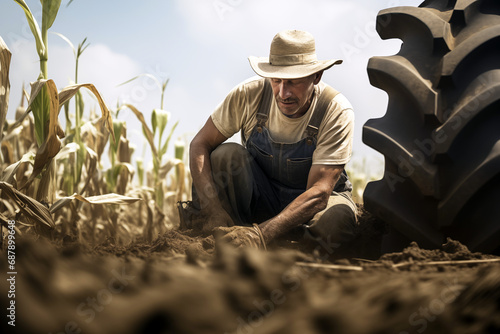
292, 56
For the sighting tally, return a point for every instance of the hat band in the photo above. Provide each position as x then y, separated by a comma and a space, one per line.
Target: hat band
296, 59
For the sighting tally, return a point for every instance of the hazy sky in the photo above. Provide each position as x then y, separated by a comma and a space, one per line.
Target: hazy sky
202, 47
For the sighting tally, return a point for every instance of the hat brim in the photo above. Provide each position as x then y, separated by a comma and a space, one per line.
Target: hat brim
262, 67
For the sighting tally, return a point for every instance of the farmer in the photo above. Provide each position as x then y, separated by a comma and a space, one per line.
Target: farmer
289, 173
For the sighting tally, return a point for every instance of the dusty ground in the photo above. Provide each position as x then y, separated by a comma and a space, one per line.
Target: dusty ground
185, 283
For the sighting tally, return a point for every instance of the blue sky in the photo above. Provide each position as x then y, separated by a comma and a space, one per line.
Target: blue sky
202, 47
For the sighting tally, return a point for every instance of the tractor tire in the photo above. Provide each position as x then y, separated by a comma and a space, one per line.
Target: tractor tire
441, 133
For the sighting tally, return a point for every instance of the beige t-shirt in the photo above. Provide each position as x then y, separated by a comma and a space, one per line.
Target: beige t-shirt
238, 112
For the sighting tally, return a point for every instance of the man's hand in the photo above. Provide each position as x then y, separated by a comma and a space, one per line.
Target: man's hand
217, 218
320, 184
242, 236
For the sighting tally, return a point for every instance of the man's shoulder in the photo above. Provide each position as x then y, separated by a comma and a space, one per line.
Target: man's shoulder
251, 84
247, 89
255, 80
340, 100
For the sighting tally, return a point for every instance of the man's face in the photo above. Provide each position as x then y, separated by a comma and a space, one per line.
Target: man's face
294, 96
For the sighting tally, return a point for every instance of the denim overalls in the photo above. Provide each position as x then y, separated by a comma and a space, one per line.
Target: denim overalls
286, 166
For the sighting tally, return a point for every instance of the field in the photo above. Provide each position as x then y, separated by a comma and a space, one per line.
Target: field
184, 282
90, 238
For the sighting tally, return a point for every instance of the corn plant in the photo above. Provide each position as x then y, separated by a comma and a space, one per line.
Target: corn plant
121, 171
33, 177
139, 161
45, 102
360, 175
159, 122
5, 56
41, 105
41, 102
79, 107
73, 179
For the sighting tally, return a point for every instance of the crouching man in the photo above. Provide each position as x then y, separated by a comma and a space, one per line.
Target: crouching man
289, 173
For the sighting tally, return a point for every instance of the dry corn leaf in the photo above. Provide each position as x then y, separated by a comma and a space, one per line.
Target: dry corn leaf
32, 208
124, 153
66, 150
108, 199
89, 135
64, 96
9, 172
5, 56
180, 181
21, 109
10, 208
68, 92
13, 134
48, 186
145, 127
125, 176
166, 167
148, 229
52, 144
22, 137
22, 176
91, 167
41, 102
102, 137
7, 152
100, 199
36, 87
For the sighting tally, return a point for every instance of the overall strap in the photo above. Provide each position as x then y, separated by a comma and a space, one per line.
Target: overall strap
324, 101
264, 106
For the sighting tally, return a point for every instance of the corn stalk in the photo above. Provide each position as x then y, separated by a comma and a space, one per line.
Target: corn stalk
42, 103
37, 170
52, 145
5, 56
79, 107
159, 121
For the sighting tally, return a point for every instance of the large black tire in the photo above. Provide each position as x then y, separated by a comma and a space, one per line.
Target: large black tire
441, 133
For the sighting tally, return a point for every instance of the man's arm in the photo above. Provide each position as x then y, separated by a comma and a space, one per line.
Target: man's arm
202, 145
320, 184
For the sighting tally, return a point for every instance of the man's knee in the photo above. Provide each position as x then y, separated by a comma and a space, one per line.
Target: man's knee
231, 153
230, 166
343, 214
338, 223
